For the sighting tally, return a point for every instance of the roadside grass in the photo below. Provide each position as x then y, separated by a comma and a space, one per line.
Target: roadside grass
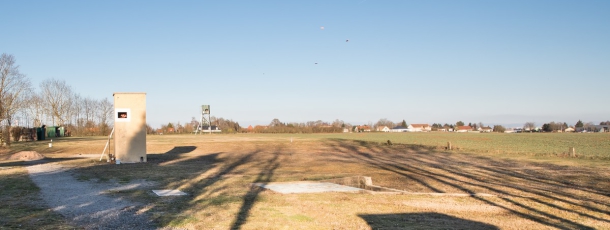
531, 191
21, 207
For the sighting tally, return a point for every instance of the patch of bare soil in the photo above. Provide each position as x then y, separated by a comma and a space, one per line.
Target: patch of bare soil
27, 156
4, 154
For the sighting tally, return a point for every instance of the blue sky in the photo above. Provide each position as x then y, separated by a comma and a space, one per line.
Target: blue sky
496, 62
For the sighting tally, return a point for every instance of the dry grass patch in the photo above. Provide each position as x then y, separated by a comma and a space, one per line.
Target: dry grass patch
21, 207
217, 171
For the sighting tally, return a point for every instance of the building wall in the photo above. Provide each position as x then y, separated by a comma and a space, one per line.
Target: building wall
130, 131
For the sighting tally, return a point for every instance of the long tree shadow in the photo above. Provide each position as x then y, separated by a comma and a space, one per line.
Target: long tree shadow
554, 194
15, 163
426, 220
206, 187
438, 172
215, 179
507, 196
265, 175
202, 176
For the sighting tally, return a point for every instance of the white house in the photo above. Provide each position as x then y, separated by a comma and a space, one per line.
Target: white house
464, 129
399, 129
362, 128
419, 128
382, 129
485, 129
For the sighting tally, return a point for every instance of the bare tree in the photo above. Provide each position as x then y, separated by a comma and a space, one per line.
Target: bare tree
384, 122
529, 126
338, 123
104, 115
194, 123
35, 109
13, 88
77, 105
88, 112
276, 122
58, 96
89, 107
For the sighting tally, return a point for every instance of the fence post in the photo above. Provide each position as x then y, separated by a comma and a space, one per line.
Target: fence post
448, 145
572, 152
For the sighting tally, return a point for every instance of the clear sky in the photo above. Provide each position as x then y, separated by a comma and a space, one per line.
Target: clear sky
496, 62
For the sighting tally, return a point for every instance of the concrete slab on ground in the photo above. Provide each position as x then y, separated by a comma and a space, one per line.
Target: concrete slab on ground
169, 192
306, 187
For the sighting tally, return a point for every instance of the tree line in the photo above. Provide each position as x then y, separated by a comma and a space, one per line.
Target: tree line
226, 125
52, 103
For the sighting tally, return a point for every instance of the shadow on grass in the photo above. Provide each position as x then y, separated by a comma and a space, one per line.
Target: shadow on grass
202, 188
545, 198
181, 150
201, 176
426, 220
530, 194
265, 175
15, 163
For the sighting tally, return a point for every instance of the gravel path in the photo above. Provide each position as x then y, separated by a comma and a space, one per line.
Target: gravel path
84, 204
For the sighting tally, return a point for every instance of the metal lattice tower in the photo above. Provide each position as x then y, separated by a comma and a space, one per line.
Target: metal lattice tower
205, 120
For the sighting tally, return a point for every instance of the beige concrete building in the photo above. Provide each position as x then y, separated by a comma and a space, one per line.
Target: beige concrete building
130, 127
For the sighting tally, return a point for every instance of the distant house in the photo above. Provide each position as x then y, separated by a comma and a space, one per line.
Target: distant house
399, 129
486, 129
362, 128
345, 130
419, 128
570, 129
210, 129
464, 129
441, 129
382, 129
594, 128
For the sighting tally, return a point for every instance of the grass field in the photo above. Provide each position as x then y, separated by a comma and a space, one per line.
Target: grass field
535, 185
587, 145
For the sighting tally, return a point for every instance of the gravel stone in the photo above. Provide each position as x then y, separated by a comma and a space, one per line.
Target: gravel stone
83, 202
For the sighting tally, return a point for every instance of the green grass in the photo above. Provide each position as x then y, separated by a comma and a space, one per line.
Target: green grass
21, 208
221, 200
587, 145
301, 218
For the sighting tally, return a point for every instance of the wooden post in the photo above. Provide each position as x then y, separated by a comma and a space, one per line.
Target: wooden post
572, 152
448, 145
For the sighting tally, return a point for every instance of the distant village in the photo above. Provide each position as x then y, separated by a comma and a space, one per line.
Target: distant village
467, 128
459, 127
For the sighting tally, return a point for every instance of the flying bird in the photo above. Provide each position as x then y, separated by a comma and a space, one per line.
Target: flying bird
347, 40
